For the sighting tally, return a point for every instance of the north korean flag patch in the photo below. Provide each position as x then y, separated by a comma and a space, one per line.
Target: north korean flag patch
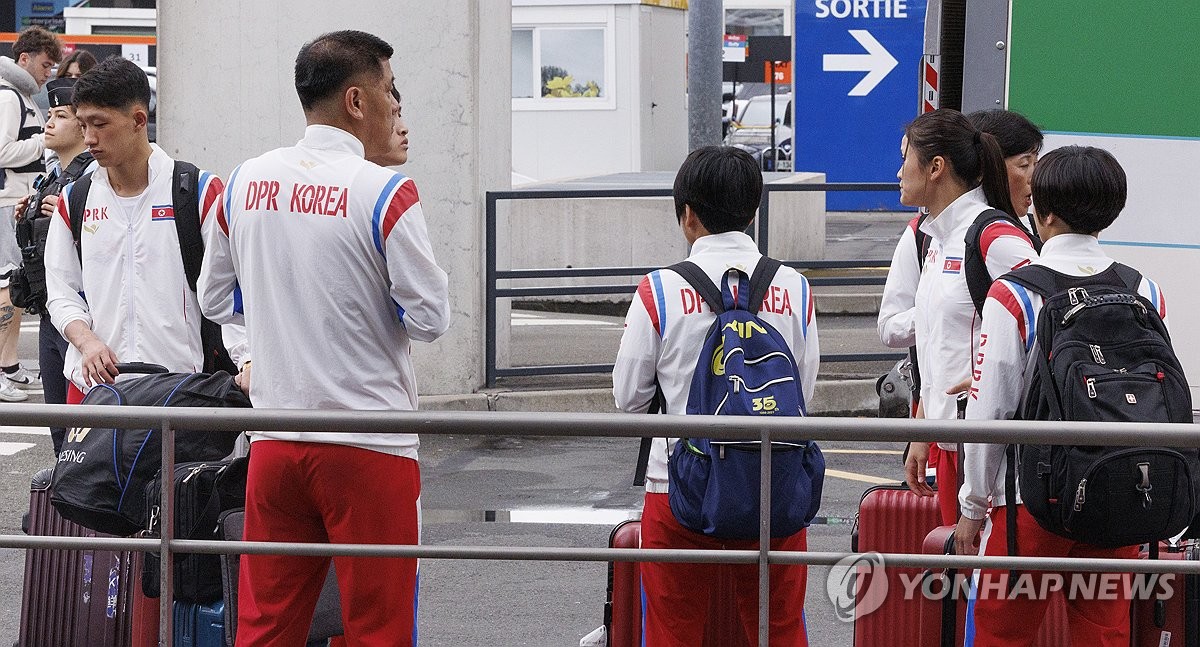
162, 212
953, 265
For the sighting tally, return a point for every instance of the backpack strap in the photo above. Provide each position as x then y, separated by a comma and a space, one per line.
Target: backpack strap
1131, 277
72, 171
760, 282
76, 203
700, 282
920, 239
1010, 508
658, 404
979, 281
186, 203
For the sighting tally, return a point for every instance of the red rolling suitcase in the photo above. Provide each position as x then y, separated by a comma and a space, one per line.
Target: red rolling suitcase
1173, 619
73, 597
891, 519
623, 610
943, 619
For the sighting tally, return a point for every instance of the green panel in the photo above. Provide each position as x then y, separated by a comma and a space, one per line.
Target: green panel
1107, 66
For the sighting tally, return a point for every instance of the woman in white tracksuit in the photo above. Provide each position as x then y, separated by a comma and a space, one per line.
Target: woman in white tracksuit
955, 171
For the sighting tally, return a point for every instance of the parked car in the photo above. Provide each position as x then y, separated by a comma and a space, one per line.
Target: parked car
751, 131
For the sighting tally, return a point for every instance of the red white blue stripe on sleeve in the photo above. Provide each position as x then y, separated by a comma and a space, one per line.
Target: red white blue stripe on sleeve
211, 191
398, 196
651, 293
1156, 297
1015, 298
229, 200
998, 229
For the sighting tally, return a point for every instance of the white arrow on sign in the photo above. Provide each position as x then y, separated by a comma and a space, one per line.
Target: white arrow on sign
877, 62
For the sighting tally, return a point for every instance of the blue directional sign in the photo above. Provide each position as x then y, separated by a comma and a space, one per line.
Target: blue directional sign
855, 76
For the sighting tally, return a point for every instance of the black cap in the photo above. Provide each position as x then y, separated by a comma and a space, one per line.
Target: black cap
61, 92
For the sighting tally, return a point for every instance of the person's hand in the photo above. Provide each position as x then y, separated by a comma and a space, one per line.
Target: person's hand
50, 204
99, 363
960, 387
242, 379
914, 468
966, 536
20, 208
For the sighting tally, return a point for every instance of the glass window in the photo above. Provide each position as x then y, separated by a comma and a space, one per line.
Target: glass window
754, 22
568, 63
522, 63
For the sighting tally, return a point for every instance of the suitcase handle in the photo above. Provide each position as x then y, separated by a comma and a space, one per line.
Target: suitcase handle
142, 368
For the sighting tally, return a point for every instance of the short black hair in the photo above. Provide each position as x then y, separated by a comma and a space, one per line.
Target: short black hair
37, 40
1083, 186
328, 62
115, 82
1016, 134
722, 185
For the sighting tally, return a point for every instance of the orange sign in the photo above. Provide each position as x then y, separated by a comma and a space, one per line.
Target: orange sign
783, 72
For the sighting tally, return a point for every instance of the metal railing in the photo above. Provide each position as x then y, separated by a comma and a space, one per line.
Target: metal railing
493, 275
584, 425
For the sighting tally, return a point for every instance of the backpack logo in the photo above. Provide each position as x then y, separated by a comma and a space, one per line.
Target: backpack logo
745, 367
77, 434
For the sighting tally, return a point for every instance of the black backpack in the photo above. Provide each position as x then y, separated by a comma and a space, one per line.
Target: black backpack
28, 282
1102, 353
102, 473
185, 202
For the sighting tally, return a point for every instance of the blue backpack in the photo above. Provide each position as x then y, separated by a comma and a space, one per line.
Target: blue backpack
745, 369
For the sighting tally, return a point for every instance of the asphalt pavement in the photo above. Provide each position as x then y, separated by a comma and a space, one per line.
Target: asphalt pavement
545, 491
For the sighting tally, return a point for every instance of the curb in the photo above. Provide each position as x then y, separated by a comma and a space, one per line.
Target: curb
855, 397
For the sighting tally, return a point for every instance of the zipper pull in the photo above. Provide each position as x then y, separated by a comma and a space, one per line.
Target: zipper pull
1080, 495
195, 470
1091, 387
721, 452
1096, 354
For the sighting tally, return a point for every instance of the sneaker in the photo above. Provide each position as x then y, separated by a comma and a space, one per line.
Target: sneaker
10, 393
23, 379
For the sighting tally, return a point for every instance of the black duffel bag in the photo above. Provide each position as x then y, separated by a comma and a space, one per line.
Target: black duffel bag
203, 490
101, 475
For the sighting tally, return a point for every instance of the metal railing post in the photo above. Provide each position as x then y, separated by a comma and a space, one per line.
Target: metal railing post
489, 300
764, 541
166, 532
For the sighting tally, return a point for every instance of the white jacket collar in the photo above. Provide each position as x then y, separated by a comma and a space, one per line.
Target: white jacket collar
957, 214
730, 241
17, 77
329, 138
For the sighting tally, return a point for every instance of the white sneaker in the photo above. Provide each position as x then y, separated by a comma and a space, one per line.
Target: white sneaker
23, 379
10, 393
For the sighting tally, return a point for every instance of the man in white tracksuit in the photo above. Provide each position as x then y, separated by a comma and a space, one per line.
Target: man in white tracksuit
21, 147
326, 258
129, 299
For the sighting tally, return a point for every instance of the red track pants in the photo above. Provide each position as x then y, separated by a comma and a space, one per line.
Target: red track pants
677, 594
319, 492
1094, 620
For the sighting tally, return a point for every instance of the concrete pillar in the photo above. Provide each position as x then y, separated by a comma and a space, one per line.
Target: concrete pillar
226, 93
705, 43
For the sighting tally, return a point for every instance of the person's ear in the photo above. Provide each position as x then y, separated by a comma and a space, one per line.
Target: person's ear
140, 118
354, 101
937, 168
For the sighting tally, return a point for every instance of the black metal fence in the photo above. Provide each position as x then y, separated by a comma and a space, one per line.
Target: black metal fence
493, 275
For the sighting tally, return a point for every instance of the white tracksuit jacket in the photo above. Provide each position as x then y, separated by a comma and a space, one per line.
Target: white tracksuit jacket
1005, 340
897, 311
945, 317
667, 322
133, 293
329, 255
